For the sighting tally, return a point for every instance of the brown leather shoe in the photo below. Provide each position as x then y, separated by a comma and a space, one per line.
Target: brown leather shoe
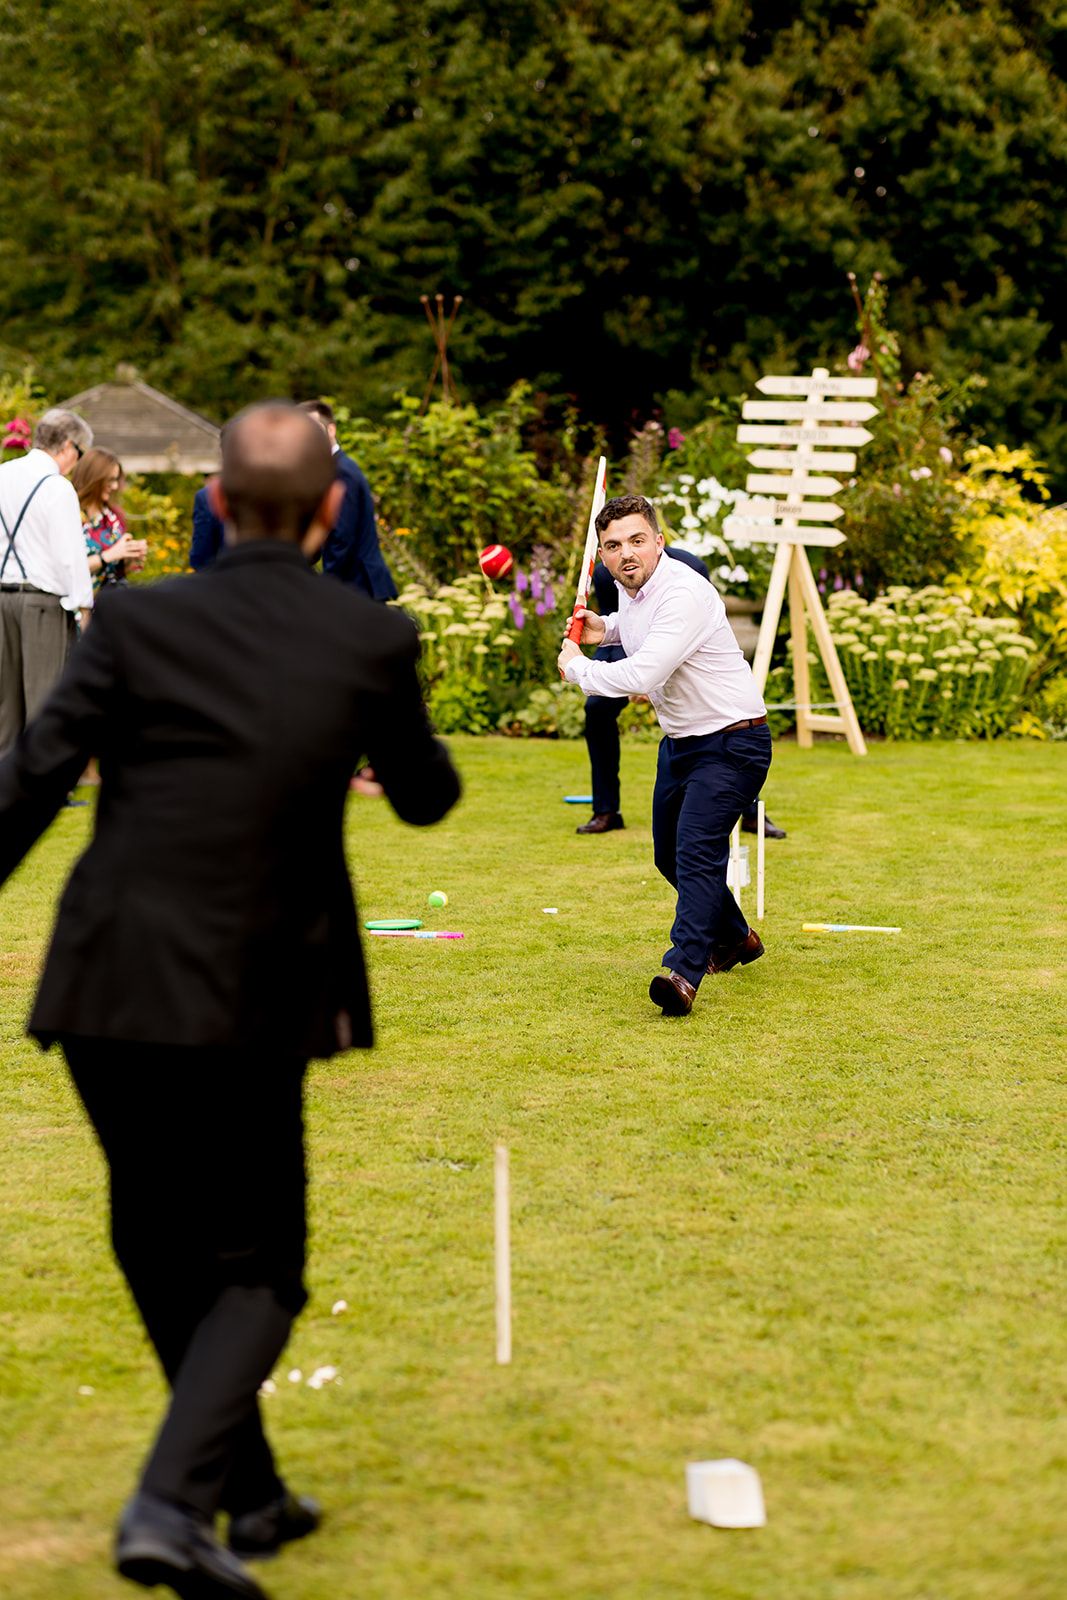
673, 993
602, 822
750, 949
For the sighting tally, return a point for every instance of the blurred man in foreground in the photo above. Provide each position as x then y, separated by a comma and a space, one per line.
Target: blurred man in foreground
207, 945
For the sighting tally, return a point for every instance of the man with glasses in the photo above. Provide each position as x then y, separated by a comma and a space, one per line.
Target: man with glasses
44, 570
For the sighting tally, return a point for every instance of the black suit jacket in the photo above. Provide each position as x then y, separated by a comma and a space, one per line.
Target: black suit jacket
352, 552
213, 906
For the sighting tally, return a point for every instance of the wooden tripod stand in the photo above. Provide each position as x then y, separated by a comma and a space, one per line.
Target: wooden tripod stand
792, 571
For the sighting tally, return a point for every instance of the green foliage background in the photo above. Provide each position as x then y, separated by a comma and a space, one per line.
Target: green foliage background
641, 202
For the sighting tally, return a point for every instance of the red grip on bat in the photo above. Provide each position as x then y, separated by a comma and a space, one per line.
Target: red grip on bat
574, 629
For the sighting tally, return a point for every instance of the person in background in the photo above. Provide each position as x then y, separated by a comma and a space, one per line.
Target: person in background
207, 531
44, 576
352, 552
602, 713
97, 480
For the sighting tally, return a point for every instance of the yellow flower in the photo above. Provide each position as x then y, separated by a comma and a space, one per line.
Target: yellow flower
402, 533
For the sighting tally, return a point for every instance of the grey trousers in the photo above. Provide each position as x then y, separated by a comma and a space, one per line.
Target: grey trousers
36, 635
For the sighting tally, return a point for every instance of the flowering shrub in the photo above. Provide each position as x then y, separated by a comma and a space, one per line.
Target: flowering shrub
21, 403
163, 522
902, 503
1013, 547
555, 711
483, 649
692, 511
921, 664
456, 479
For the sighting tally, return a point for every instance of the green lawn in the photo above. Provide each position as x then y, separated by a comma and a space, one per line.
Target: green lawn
817, 1225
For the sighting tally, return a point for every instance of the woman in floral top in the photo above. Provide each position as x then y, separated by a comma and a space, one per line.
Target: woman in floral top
97, 479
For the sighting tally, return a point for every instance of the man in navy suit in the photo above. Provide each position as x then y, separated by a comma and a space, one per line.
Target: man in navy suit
207, 531
352, 552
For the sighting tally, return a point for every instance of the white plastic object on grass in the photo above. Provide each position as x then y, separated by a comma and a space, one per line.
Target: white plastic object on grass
726, 1494
322, 1376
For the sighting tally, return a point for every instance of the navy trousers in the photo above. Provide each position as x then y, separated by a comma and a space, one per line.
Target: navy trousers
703, 784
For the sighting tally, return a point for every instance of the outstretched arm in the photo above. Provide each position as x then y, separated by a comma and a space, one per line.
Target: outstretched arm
413, 767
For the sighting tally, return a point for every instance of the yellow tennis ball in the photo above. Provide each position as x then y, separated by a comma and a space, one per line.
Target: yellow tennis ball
438, 898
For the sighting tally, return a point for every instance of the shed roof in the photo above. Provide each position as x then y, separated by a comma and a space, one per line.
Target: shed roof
147, 430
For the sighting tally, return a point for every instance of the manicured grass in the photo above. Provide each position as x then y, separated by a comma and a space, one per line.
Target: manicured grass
818, 1225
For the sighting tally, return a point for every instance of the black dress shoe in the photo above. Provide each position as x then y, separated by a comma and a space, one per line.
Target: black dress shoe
602, 822
771, 829
673, 993
160, 1543
750, 949
258, 1534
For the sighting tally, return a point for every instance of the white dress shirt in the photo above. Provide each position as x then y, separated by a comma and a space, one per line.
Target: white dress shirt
50, 544
680, 651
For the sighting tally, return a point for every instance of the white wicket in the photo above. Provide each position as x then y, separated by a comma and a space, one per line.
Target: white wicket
735, 862
502, 1229
761, 843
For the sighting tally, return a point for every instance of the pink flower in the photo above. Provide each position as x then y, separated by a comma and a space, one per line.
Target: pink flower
17, 434
946, 455
675, 439
858, 358
897, 490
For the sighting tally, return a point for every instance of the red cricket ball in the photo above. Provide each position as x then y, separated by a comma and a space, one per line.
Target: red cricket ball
495, 561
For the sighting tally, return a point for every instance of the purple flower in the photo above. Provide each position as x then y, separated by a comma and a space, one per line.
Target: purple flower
521, 581
550, 599
540, 608
675, 439
518, 616
536, 586
839, 582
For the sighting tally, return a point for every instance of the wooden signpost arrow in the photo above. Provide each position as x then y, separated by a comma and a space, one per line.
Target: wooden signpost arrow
798, 433
806, 410
767, 483
807, 424
817, 386
786, 460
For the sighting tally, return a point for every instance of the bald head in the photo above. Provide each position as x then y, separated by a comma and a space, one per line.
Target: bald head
276, 471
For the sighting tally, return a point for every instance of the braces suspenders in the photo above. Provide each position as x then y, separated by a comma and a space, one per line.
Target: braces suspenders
11, 532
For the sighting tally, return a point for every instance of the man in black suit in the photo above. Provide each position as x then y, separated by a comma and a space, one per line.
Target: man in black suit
352, 552
207, 945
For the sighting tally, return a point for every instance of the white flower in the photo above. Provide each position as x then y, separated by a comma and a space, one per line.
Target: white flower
338, 1307
296, 1375
689, 521
268, 1387
921, 472
686, 478
723, 573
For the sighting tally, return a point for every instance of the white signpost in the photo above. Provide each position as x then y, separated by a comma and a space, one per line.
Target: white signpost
792, 522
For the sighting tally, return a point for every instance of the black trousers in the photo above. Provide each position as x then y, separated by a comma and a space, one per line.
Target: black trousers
703, 784
205, 1150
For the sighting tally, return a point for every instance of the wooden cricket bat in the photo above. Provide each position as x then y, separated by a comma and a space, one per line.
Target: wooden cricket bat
592, 541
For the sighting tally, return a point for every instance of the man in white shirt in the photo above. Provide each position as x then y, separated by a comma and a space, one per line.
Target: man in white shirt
716, 749
44, 568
